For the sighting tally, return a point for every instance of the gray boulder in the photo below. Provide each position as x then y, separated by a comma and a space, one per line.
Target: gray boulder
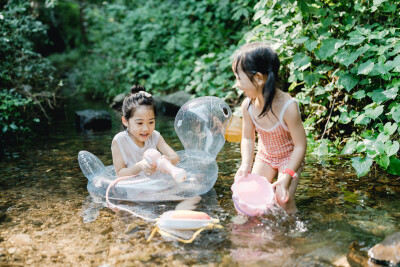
168, 104
173, 102
94, 120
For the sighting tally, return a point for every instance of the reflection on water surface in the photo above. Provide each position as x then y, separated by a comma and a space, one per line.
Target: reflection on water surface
44, 199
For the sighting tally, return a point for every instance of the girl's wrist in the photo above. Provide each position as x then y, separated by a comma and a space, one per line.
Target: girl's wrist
291, 173
286, 180
245, 166
142, 165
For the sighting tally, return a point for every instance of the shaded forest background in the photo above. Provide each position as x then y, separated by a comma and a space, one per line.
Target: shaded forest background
337, 59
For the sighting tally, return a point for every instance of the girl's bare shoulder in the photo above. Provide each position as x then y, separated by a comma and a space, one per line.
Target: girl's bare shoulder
281, 98
284, 96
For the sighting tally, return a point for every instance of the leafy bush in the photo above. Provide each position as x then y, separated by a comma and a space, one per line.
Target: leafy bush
13, 123
164, 45
343, 66
26, 78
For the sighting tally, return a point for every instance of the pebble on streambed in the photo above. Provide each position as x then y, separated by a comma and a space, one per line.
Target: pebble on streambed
387, 252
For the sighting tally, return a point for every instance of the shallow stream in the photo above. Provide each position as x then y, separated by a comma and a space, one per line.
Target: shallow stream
48, 219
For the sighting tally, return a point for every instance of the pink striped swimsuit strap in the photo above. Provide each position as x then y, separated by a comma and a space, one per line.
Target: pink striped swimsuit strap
285, 106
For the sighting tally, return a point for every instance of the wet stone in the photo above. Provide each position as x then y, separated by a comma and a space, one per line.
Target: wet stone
21, 240
93, 120
356, 255
387, 252
106, 230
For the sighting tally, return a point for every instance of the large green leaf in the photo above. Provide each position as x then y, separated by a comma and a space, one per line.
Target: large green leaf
366, 68
311, 78
328, 48
349, 148
390, 128
391, 93
379, 69
361, 165
348, 81
379, 146
383, 137
359, 94
301, 61
374, 113
395, 112
259, 14
378, 2
383, 160
346, 59
344, 118
392, 148
306, 8
378, 96
362, 50
356, 40
362, 119
394, 166
301, 40
391, 64
311, 45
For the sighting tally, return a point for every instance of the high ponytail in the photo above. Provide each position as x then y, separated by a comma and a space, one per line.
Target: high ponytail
138, 97
137, 88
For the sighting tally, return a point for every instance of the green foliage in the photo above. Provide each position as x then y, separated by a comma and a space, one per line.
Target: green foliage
19, 63
24, 73
13, 107
63, 19
343, 66
164, 45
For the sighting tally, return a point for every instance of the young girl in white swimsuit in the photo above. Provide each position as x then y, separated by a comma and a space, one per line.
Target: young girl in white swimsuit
139, 118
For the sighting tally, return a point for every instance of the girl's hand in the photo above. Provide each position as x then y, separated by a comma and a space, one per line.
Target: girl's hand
161, 169
284, 184
147, 168
242, 171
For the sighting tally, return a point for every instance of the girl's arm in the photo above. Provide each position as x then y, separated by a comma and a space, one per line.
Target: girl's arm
120, 167
166, 150
293, 121
247, 143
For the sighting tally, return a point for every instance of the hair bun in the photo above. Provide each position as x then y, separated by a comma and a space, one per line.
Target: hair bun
137, 88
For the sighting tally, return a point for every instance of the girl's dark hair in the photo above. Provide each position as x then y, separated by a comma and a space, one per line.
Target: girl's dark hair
259, 57
138, 97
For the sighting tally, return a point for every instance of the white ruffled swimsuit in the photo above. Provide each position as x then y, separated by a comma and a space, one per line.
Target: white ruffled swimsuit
130, 151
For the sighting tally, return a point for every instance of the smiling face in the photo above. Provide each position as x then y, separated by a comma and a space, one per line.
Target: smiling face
243, 82
141, 125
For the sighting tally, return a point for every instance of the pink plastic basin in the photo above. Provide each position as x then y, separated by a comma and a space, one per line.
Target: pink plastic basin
252, 195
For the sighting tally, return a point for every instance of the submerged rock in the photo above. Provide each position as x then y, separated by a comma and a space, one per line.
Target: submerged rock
95, 120
387, 252
357, 256
173, 102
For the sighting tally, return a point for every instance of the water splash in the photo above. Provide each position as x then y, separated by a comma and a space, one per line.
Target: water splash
90, 210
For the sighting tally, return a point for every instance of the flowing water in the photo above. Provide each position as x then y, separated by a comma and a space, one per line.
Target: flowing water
48, 218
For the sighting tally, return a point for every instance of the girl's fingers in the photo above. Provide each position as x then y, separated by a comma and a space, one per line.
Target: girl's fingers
285, 197
285, 193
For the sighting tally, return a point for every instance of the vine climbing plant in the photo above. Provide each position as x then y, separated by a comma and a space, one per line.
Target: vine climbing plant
342, 61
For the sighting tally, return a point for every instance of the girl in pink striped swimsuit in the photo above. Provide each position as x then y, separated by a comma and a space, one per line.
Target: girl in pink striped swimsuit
275, 116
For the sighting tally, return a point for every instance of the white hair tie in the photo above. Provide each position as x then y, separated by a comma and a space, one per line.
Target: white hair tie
145, 93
